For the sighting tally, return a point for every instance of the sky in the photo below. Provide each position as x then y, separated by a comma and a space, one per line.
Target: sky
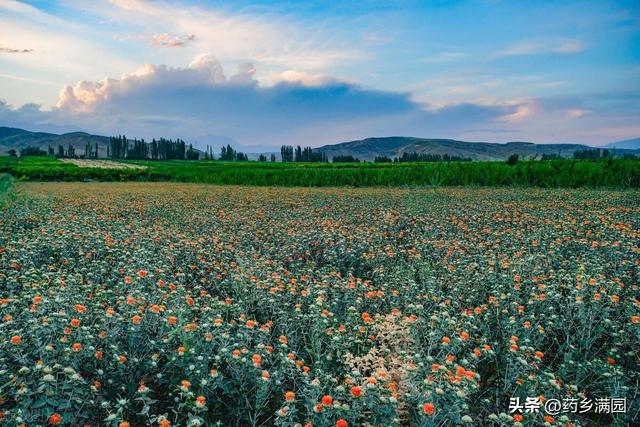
258, 74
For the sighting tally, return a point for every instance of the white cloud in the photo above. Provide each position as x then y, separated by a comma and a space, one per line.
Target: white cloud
271, 40
537, 47
199, 102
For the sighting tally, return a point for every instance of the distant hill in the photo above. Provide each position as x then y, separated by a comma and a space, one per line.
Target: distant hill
630, 144
14, 138
395, 146
365, 149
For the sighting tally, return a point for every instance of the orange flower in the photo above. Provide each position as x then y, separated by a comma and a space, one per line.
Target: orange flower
122, 359
76, 346
201, 401
635, 319
342, 423
464, 335
172, 320
327, 400
356, 391
136, 319
124, 424
548, 419
446, 340
266, 375
428, 408
75, 323
16, 339
289, 396
257, 360
81, 309
518, 418
164, 423
55, 419
99, 355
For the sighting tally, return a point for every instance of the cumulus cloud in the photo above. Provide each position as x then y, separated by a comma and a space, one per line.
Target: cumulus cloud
200, 100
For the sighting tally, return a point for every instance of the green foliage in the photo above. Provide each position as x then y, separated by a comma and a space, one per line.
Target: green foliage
423, 157
513, 159
6, 189
591, 154
32, 151
345, 159
609, 173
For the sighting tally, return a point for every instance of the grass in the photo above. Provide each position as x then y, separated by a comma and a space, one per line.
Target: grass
609, 173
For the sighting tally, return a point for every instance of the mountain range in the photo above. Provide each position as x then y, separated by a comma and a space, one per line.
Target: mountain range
630, 144
365, 149
395, 146
17, 139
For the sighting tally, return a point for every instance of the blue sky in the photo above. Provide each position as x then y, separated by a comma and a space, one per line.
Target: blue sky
262, 73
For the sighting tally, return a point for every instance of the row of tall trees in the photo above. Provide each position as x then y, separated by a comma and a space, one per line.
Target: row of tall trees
163, 149
263, 158
68, 153
298, 154
228, 153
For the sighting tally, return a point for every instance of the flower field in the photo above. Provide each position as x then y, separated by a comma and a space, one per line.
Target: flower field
183, 304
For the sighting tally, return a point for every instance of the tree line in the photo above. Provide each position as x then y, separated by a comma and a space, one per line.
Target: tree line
119, 147
298, 154
421, 157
